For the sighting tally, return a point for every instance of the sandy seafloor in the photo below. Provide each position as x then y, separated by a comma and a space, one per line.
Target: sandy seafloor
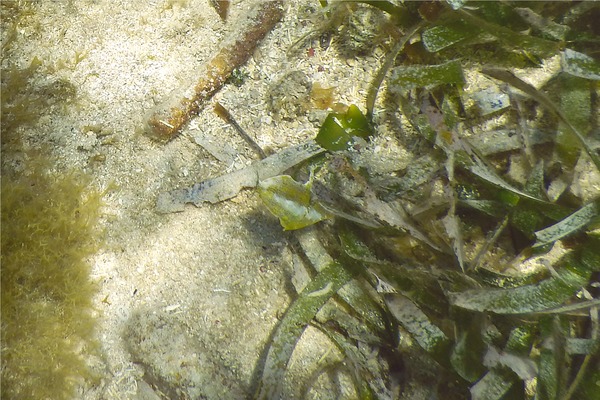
186, 301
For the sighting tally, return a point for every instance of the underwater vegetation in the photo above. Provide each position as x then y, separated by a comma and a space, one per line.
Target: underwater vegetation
471, 271
471, 268
48, 233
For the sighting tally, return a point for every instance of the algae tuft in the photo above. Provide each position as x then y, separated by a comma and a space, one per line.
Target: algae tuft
49, 231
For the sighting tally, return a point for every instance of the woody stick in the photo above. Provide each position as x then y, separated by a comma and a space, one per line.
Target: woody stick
167, 119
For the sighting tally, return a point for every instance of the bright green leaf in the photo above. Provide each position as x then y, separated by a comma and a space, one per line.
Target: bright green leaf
339, 129
291, 202
332, 135
356, 122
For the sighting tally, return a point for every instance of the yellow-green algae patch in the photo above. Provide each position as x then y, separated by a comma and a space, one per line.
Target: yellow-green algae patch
49, 231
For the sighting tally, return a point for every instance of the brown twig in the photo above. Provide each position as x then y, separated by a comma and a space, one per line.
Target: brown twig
167, 119
227, 117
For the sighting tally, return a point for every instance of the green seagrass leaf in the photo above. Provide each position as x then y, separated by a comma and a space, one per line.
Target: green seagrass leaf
322, 287
580, 65
291, 202
422, 329
428, 76
572, 273
569, 225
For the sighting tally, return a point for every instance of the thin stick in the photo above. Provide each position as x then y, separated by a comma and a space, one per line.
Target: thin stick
167, 119
227, 117
388, 63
